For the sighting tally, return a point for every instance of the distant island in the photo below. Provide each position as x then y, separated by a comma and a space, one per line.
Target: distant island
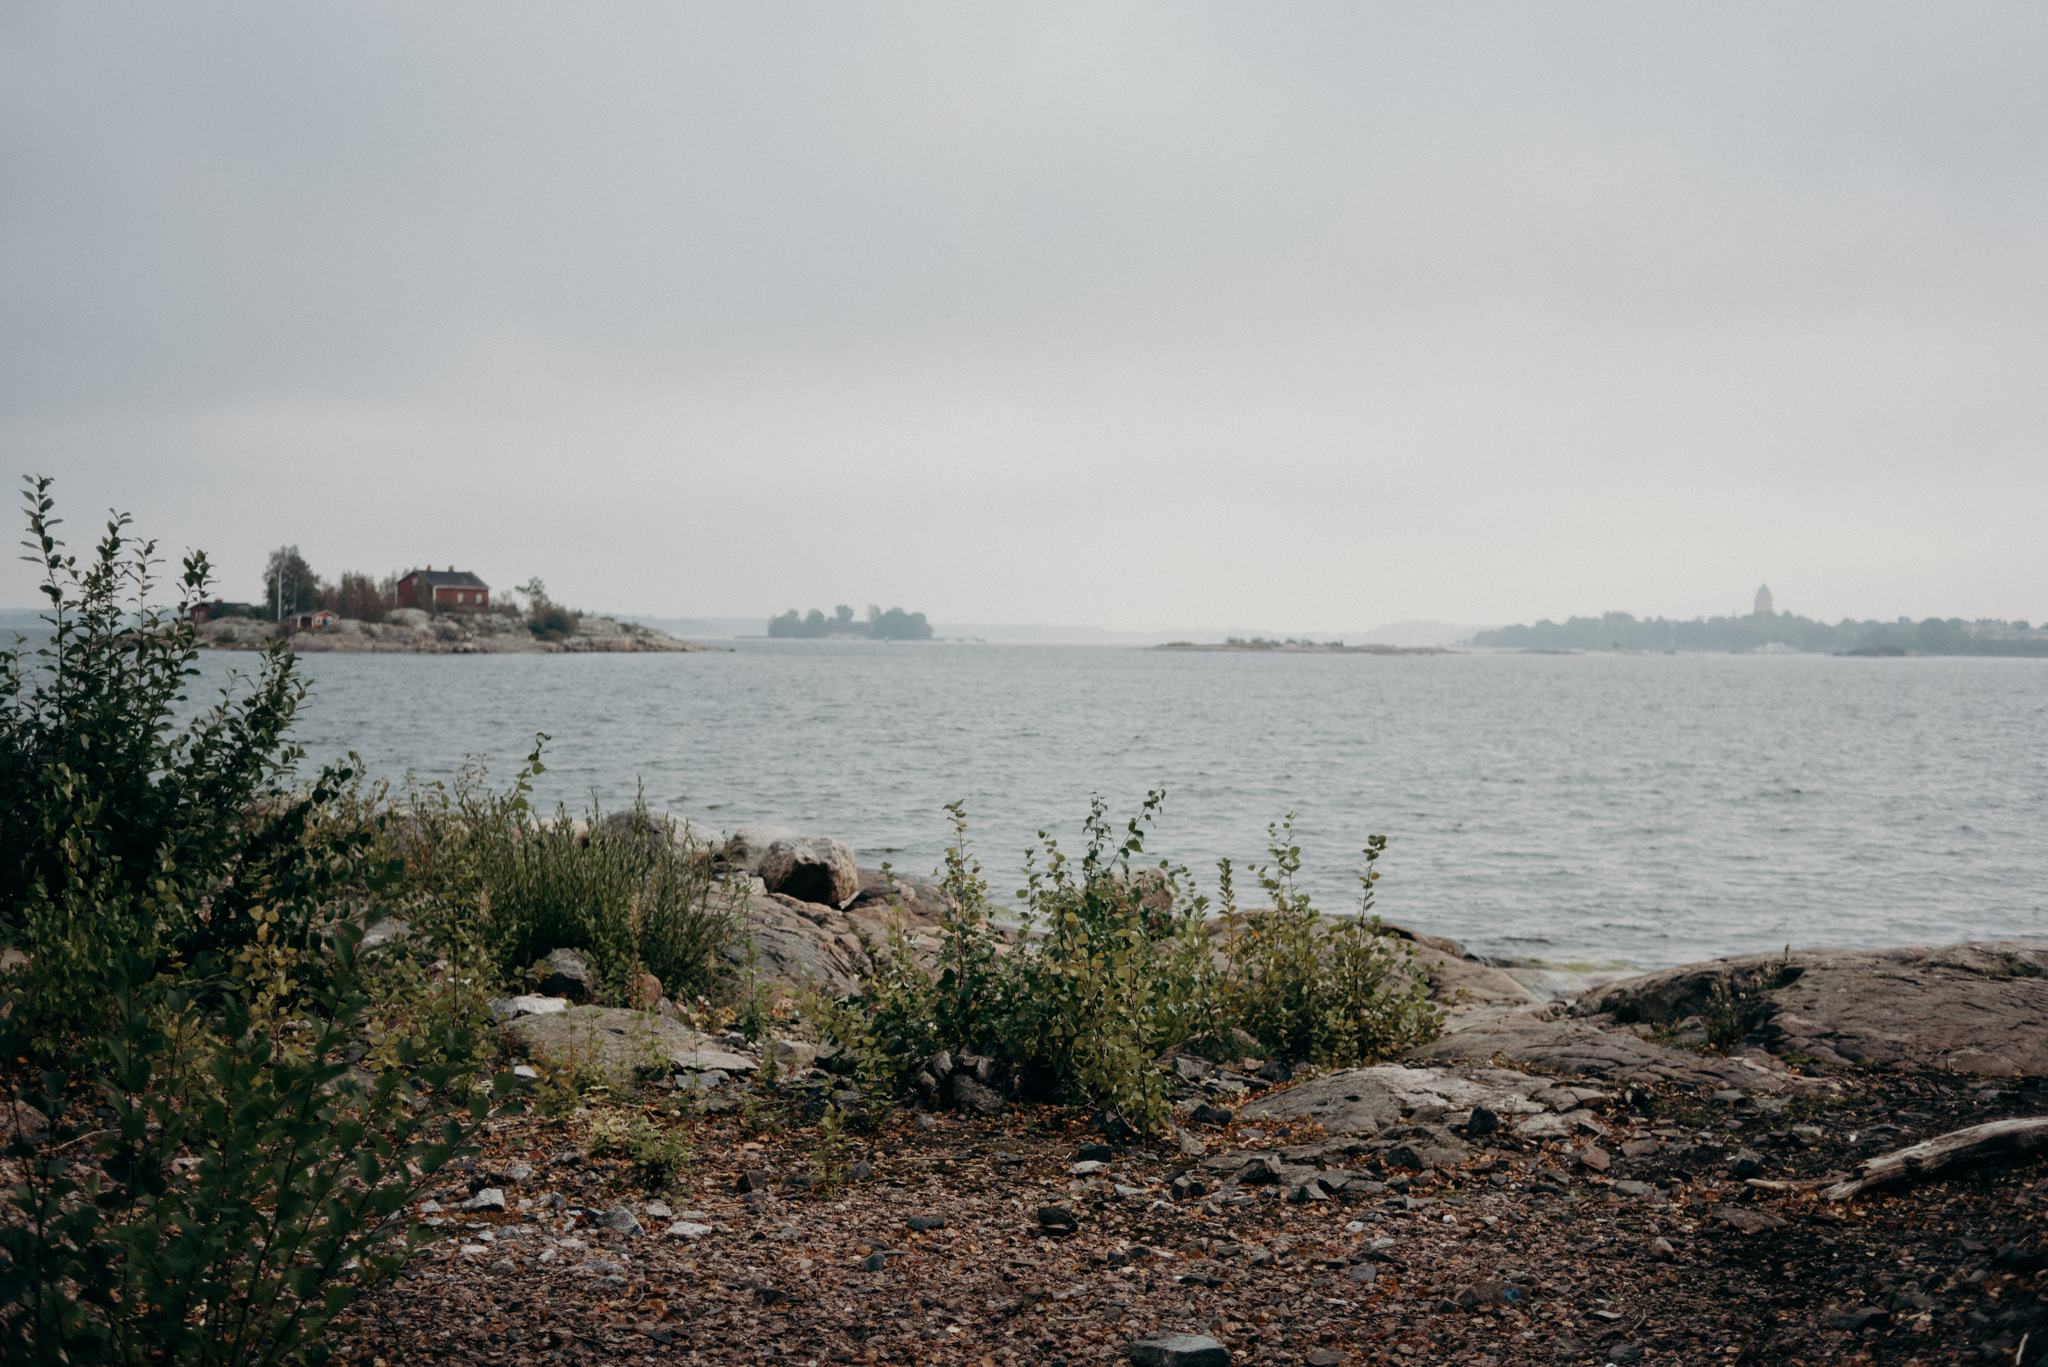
424, 611
1295, 647
1765, 630
893, 625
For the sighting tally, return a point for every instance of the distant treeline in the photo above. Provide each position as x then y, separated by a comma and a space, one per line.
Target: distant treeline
1619, 631
893, 625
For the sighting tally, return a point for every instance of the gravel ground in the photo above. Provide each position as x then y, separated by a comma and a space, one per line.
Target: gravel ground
1639, 1239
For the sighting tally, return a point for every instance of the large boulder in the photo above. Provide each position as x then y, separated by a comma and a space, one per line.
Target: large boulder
1980, 1007
790, 943
746, 847
1607, 1054
811, 869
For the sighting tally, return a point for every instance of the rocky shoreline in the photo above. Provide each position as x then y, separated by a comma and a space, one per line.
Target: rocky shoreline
413, 631
1660, 1171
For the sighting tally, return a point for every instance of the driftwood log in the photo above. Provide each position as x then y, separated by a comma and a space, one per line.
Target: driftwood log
2000, 1138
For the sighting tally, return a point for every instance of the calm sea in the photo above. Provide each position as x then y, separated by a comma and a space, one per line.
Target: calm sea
1571, 810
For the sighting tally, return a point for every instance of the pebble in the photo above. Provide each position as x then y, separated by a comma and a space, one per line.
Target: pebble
922, 1223
658, 1210
620, 1220
1087, 1169
689, 1229
490, 1198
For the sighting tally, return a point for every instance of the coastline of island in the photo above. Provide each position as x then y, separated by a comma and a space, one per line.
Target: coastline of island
414, 631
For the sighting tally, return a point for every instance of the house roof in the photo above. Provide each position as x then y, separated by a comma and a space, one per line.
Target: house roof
448, 579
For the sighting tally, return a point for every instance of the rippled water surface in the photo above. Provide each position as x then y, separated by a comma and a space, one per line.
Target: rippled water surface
1569, 809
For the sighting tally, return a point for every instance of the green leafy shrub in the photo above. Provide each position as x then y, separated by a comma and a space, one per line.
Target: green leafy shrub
1315, 988
216, 1112
201, 1187
1114, 962
126, 835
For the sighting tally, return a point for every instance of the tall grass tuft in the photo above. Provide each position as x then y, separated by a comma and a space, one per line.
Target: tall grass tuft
630, 888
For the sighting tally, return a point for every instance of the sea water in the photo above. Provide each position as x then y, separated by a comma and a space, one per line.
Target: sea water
1575, 810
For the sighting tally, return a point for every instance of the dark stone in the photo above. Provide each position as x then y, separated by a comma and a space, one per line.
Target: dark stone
566, 973
1115, 1128
922, 1223
1748, 1163
1057, 1220
976, 1097
861, 1171
1857, 1317
877, 1260
753, 1179
1207, 1114
1097, 1153
1179, 1350
1483, 1121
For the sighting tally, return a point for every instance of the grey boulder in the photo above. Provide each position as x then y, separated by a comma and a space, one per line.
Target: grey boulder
811, 869
566, 973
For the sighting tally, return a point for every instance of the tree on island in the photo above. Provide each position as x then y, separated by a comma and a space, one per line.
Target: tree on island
893, 625
287, 577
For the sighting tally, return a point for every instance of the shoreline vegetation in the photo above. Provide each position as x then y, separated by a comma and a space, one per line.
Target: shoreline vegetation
296, 1068
1771, 632
416, 631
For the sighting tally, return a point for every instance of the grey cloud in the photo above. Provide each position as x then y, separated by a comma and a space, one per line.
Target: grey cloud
1189, 295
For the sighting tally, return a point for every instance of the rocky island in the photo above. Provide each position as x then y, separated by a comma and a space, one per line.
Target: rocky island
417, 631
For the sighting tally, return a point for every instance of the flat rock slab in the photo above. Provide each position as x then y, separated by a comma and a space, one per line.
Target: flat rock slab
619, 1043
1980, 1007
1348, 1102
1612, 1055
1498, 1089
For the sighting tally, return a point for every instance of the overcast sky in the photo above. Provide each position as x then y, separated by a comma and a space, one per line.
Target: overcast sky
1299, 316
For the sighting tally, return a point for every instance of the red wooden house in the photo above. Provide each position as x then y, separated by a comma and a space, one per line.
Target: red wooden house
435, 590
